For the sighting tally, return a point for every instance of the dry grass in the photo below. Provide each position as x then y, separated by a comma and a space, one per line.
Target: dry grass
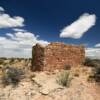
64, 78
11, 76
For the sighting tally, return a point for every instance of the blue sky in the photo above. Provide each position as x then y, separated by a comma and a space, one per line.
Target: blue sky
24, 23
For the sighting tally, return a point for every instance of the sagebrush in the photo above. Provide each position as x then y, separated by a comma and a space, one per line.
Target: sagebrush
12, 76
64, 78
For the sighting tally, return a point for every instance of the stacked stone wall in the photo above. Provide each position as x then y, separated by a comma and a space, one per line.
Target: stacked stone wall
57, 56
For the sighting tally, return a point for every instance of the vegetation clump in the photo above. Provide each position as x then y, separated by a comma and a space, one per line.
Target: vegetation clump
11, 76
67, 67
90, 62
64, 78
97, 74
95, 64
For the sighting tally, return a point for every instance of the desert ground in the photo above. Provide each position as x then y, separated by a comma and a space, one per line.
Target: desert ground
43, 85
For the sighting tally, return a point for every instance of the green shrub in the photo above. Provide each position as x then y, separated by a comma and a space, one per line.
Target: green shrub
1, 61
89, 62
64, 78
97, 74
12, 60
11, 76
67, 67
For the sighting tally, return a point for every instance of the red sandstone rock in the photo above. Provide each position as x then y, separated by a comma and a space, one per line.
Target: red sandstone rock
56, 56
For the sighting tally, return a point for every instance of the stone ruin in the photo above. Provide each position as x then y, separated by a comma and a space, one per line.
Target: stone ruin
56, 56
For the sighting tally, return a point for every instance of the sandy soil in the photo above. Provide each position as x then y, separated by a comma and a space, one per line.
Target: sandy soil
44, 87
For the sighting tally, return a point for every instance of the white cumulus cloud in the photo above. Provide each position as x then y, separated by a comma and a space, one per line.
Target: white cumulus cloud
6, 21
19, 44
97, 45
93, 53
2, 9
19, 30
79, 27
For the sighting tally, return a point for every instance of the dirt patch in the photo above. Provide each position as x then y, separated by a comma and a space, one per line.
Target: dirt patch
43, 86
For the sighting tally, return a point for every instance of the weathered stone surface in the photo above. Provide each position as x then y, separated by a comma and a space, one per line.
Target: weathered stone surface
56, 56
